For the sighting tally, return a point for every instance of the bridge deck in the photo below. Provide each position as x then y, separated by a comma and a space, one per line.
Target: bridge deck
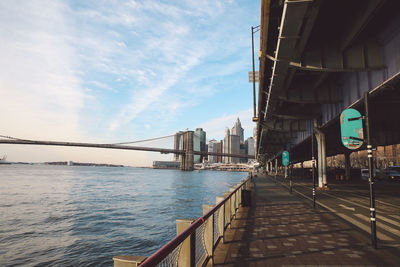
282, 230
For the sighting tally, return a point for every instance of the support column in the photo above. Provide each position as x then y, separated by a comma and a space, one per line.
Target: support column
347, 165
276, 167
321, 145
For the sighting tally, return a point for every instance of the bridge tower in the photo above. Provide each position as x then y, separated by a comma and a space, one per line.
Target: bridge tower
187, 158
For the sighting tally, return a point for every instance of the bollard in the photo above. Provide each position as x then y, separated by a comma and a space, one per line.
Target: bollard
128, 261
186, 255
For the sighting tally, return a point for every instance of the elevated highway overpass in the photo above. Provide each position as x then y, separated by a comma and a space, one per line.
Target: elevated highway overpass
317, 58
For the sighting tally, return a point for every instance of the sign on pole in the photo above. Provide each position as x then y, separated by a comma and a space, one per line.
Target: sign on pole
251, 76
285, 158
351, 129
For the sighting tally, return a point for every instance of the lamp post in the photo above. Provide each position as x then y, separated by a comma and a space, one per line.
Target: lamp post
254, 30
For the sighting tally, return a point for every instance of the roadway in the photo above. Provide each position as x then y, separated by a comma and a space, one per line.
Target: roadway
350, 201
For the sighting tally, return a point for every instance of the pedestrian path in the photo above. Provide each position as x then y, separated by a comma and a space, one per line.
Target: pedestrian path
280, 229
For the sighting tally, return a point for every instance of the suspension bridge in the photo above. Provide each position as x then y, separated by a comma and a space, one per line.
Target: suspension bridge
186, 152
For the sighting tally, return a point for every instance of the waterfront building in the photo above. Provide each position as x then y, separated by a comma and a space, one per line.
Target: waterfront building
212, 147
199, 144
238, 130
166, 164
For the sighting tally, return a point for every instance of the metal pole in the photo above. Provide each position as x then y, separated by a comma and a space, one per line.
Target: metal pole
371, 178
223, 224
212, 238
254, 74
313, 167
290, 180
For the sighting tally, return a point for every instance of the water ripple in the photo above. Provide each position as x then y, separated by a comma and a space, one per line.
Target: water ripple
83, 216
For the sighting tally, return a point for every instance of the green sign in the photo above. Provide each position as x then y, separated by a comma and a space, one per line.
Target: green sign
351, 128
285, 158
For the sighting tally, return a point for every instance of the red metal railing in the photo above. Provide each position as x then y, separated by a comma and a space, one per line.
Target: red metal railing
163, 252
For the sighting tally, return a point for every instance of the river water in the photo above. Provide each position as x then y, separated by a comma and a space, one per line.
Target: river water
83, 216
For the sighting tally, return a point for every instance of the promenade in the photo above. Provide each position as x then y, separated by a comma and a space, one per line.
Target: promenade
280, 229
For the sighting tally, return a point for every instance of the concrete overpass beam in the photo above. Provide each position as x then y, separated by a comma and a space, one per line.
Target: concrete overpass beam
363, 56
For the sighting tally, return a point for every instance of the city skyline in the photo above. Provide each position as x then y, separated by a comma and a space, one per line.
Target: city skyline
108, 72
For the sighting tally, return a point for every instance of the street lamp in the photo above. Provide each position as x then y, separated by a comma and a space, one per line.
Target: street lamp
254, 30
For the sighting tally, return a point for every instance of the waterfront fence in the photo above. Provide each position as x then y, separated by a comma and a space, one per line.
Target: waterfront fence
197, 240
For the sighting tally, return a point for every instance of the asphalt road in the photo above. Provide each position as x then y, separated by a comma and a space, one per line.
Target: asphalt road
350, 201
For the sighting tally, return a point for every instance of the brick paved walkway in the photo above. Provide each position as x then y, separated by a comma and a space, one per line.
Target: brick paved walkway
282, 230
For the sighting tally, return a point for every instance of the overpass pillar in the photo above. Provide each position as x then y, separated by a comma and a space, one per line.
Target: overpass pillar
321, 145
347, 165
187, 158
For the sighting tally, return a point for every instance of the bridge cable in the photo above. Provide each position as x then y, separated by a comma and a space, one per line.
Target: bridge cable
144, 140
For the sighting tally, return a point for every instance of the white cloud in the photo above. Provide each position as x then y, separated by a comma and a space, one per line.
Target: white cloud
215, 128
40, 92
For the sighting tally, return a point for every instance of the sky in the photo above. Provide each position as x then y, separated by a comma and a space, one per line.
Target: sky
109, 71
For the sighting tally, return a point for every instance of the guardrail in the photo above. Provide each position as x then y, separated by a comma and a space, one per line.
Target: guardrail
197, 239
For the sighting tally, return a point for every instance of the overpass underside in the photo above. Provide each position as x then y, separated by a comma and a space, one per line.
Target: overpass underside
318, 58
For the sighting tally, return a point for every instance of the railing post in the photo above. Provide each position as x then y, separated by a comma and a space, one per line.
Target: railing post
228, 209
186, 255
209, 230
221, 216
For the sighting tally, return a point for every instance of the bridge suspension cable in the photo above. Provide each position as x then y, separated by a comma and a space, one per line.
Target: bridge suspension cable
144, 140
122, 143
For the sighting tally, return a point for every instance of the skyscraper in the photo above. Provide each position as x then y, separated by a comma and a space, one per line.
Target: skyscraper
226, 145
250, 146
238, 130
199, 144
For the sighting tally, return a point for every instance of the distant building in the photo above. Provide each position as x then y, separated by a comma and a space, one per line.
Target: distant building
199, 144
234, 145
226, 148
166, 164
243, 150
212, 147
238, 130
250, 142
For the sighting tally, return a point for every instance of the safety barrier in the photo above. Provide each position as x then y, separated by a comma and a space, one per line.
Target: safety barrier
197, 240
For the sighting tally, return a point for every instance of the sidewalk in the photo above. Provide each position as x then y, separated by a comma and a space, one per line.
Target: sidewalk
282, 230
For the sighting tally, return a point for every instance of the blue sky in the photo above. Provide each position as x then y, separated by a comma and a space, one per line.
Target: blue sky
114, 71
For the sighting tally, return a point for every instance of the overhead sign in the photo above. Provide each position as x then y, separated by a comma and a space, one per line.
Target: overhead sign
251, 76
285, 158
351, 129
